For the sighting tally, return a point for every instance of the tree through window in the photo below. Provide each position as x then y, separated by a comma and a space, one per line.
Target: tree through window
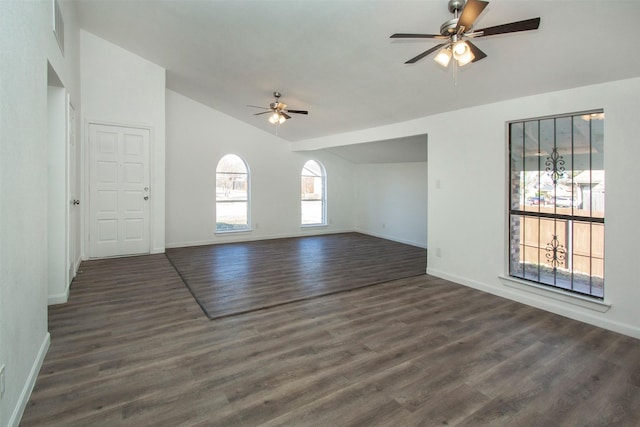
232, 194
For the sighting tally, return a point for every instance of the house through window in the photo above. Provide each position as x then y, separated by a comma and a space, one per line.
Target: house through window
557, 194
232, 194
313, 201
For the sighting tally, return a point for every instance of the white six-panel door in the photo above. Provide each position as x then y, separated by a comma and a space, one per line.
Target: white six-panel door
119, 190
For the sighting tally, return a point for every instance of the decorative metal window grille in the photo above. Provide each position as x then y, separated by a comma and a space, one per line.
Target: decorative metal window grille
313, 194
58, 25
556, 208
232, 194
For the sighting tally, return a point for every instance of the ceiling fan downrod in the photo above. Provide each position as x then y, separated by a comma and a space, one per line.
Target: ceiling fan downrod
456, 6
450, 27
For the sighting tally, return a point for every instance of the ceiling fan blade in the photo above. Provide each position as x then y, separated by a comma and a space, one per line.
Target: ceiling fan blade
255, 106
512, 27
298, 111
425, 53
285, 115
477, 53
472, 9
264, 112
417, 36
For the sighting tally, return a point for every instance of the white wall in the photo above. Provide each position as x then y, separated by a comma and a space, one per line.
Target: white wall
58, 200
467, 216
470, 162
27, 43
121, 88
198, 136
391, 201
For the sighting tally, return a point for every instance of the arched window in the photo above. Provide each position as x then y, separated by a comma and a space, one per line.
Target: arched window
232, 194
313, 202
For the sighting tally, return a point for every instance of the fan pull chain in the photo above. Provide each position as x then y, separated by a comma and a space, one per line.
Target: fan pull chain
455, 73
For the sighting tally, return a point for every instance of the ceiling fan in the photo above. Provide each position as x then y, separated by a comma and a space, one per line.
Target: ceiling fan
456, 33
279, 111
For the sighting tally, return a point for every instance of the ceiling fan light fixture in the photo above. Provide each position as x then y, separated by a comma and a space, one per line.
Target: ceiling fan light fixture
460, 49
462, 53
465, 59
277, 111
276, 118
443, 57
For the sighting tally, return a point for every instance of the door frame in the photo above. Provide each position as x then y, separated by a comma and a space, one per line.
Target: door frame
73, 183
86, 179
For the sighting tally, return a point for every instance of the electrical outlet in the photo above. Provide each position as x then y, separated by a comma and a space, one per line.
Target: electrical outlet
438, 252
1, 381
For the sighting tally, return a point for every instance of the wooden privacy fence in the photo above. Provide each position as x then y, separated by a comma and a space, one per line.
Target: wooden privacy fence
582, 242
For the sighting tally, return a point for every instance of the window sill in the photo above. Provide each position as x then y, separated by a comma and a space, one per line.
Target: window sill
312, 225
556, 294
244, 230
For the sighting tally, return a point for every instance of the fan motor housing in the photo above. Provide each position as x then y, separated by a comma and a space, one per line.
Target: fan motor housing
449, 27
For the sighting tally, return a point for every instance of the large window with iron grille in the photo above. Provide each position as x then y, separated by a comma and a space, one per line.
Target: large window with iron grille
232, 194
313, 199
557, 195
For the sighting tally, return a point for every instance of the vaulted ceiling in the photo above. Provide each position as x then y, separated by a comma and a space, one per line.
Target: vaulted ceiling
335, 58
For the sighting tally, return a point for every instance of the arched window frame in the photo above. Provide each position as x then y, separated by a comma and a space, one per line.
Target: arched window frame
231, 197
312, 215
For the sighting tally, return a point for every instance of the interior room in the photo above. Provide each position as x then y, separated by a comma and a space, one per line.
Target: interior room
407, 150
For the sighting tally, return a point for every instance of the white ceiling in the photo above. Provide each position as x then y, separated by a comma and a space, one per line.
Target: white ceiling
335, 59
397, 150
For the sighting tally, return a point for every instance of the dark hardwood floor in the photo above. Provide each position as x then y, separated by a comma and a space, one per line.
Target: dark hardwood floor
132, 348
234, 278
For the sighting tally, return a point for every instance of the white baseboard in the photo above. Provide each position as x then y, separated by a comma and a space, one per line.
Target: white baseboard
16, 415
58, 298
76, 266
547, 303
393, 239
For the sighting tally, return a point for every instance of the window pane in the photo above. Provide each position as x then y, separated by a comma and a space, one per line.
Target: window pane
312, 168
312, 188
231, 163
231, 186
588, 257
312, 194
518, 189
231, 216
582, 174
516, 254
534, 196
597, 259
531, 247
232, 194
553, 253
312, 212
597, 165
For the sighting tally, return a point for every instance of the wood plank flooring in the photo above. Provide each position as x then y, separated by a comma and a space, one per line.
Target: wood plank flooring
228, 279
132, 348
